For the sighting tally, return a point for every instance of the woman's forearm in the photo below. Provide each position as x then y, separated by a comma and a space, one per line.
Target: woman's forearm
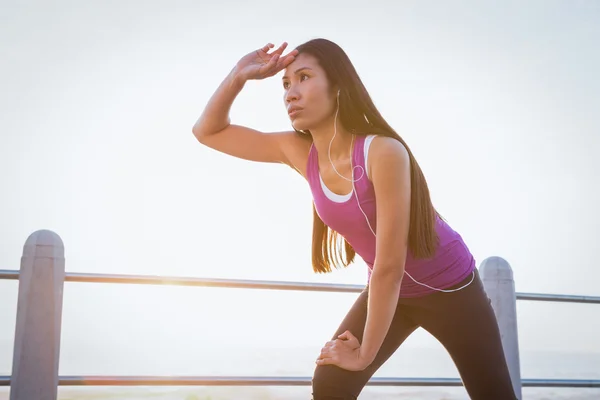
215, 116
384, 291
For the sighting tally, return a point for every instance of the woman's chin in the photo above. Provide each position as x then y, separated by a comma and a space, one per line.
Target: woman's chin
299, 126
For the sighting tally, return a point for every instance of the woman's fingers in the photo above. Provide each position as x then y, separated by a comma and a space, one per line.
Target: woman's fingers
271, 67
325, 361
329, 347
286, 60
267, 46
280, 49
280, 64
325, 352
276, 62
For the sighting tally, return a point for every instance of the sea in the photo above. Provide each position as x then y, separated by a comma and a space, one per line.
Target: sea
257, 361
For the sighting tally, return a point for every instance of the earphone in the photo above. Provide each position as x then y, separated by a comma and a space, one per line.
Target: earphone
358, 201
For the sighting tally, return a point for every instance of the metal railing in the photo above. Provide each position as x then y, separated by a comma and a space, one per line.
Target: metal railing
263, 285
288, 381
41, 280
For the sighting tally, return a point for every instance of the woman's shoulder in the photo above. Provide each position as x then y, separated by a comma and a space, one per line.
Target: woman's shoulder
384, 149
382, 143
296, 147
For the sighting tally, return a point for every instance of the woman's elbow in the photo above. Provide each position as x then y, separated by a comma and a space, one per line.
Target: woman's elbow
391, 272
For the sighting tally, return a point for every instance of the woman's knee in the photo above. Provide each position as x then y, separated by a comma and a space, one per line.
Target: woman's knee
330, 382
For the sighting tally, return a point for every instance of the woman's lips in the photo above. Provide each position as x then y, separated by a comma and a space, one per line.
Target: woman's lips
295, 112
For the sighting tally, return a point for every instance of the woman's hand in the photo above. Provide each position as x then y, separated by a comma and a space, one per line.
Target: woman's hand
261, 64
343, 352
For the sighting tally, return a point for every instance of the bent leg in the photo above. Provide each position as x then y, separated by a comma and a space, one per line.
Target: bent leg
331, 382
465, 324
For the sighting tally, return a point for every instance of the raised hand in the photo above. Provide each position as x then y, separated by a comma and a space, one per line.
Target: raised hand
261, 64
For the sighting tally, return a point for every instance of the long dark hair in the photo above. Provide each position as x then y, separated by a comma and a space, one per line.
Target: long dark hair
359, 115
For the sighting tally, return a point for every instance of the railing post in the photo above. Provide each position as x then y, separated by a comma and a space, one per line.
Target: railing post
497, 277
39, 314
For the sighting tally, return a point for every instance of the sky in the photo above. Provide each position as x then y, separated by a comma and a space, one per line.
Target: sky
498, 101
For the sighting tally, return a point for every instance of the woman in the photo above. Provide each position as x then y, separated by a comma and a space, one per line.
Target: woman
421, 273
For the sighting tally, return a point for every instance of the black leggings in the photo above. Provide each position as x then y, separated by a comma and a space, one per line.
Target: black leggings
464, 323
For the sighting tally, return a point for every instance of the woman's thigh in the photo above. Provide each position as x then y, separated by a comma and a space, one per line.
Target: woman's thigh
465, 324
331, 382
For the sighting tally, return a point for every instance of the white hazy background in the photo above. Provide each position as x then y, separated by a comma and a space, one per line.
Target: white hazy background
499, 101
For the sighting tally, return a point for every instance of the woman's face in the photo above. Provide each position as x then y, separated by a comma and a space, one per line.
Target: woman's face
307, 96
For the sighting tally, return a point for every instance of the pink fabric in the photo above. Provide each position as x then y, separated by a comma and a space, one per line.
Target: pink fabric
452, 263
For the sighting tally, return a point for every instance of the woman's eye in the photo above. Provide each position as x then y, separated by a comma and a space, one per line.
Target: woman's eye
286, 85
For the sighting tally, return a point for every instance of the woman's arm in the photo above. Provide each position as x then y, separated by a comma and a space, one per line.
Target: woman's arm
390, 174
214, 129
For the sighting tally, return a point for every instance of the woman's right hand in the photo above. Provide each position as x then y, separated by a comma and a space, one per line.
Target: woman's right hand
261, 64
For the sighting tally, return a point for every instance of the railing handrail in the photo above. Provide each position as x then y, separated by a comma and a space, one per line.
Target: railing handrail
222, 380
42, 276
264, 284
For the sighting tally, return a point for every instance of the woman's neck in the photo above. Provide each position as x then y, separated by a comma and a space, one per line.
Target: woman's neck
341, 146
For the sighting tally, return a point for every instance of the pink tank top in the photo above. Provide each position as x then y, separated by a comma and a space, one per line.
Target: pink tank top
452, 262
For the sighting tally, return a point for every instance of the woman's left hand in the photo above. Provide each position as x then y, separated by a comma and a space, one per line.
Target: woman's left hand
343, 352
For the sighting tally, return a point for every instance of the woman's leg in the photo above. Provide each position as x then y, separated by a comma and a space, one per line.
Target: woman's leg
465, 323
331, 382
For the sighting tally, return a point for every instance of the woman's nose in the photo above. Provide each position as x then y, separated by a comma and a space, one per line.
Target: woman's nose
291, 95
